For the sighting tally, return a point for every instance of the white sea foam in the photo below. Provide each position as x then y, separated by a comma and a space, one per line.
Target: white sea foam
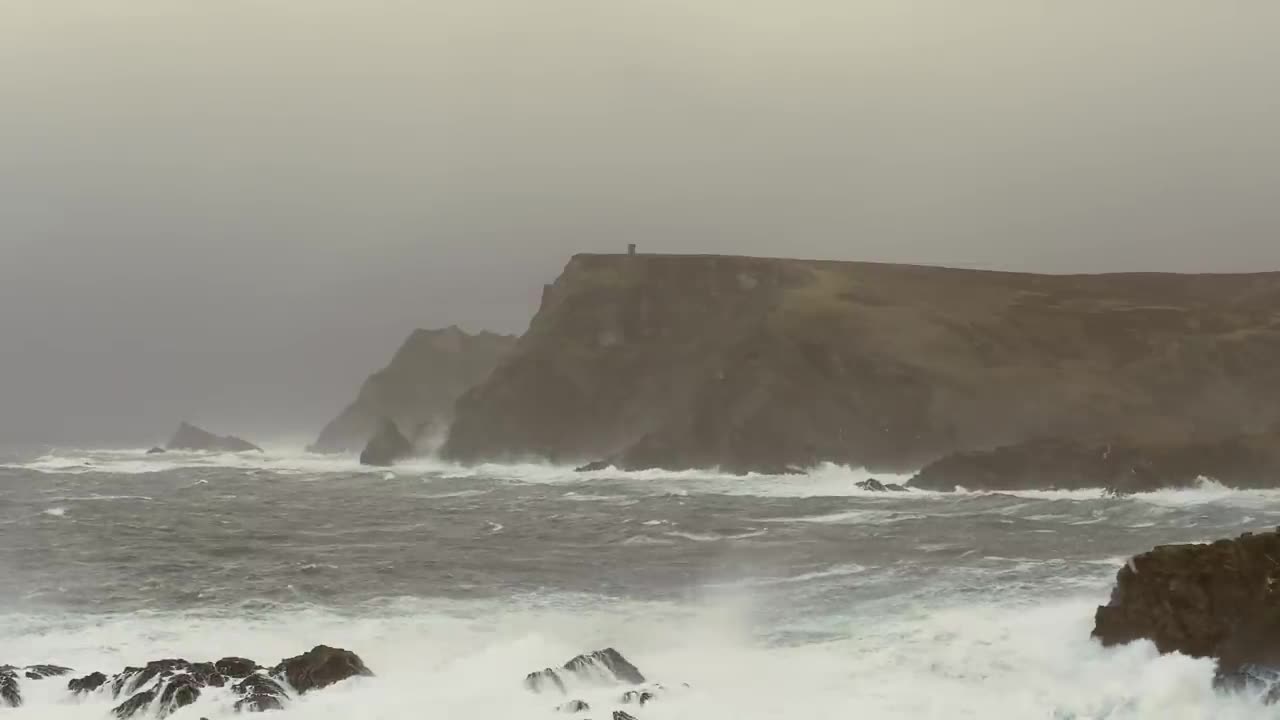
456, 659
827, 480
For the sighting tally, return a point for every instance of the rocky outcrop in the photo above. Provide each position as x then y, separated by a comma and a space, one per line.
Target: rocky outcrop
156, 451
753, 364
601, 669
601, 666
1219, 600
11, 678
190, 437
320, 667
386, 446
1121, 466
162, 687
10, 692
417, 390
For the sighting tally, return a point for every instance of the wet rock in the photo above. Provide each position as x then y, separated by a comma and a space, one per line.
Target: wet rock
608, 663
574, 706
179, 692
40, 672
1218, 600
134, 705
236, 667
619, 715
134, 678
156, 451
638, 697
190, 437
386, 446
320, 667
606, 666
88, 683
10, 694
872, 485
544, 680
259, 693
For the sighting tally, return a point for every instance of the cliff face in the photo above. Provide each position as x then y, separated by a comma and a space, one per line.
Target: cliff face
762, 364
418, 389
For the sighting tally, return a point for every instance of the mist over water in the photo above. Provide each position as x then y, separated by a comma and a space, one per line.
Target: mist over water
773, 597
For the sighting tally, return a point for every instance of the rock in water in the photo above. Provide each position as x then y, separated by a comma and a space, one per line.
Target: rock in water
1220, 600
40, 672
544, 680
386, 446
87, 684
156, 451
872, 485
235, 667
190, 437
10, 694
605, 664
259, 693
320, 667
418, 388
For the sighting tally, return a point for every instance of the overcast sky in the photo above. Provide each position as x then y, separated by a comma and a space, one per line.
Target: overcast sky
232, 211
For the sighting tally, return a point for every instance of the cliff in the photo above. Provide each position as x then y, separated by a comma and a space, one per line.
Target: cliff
764, 364
418, 388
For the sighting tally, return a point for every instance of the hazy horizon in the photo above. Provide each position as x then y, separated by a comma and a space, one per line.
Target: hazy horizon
232, 213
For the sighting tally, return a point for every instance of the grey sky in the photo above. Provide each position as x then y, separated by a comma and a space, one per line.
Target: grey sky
232, 211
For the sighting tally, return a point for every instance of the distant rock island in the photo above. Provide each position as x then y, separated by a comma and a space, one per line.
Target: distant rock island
417, 390
190, 437
754, 364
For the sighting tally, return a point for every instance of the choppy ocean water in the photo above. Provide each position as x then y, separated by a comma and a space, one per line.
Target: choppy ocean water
772, 597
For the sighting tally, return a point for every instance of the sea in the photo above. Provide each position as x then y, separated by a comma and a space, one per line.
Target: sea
754, 597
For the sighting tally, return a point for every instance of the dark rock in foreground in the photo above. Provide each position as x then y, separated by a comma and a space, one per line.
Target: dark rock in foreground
166, 686
386, 446
190, 437
10, 694
1243, 461
602, 666
11, 677
88, 683
1219, 600
320, 667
